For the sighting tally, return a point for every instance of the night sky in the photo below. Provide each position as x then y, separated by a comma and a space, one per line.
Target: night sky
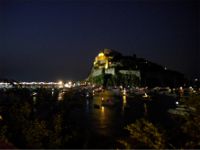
49, 40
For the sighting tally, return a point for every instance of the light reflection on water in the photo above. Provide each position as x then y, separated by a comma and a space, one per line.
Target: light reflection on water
105, 121
61, 95
34, 99
102, 109
104, 118
87, 106
52, 92
124, 103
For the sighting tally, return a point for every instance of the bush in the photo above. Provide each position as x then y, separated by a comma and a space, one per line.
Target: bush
143, 134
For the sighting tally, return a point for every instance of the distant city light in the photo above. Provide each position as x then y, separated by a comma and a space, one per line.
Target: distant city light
67, 85
93, 92
145, 95
87, 94
60, 82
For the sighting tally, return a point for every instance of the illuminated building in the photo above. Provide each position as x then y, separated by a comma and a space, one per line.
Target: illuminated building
108, 69
112, 68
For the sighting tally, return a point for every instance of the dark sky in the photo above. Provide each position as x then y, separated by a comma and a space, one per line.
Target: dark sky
48, 40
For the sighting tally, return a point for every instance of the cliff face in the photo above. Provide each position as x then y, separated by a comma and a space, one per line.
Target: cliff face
110, 68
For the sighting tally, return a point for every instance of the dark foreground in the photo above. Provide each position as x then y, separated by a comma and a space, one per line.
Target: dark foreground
46, 118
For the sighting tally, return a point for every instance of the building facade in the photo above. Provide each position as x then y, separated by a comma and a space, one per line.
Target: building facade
111, 68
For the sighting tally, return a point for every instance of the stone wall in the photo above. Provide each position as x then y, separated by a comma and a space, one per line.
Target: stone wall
110, 71
97, 72
131, 72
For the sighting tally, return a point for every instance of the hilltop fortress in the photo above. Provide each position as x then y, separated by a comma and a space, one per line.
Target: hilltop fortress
111, 68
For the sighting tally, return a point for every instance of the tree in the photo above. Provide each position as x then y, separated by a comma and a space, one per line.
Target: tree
192, 130
36, 134
55, 138
191, 126
143, 134
187, 127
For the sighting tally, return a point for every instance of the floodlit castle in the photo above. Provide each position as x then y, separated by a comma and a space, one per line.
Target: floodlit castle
111, 68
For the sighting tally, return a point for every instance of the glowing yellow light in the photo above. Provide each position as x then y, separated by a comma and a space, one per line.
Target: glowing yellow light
102, 109
124, 100
101, 54
124, 103
106, 65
